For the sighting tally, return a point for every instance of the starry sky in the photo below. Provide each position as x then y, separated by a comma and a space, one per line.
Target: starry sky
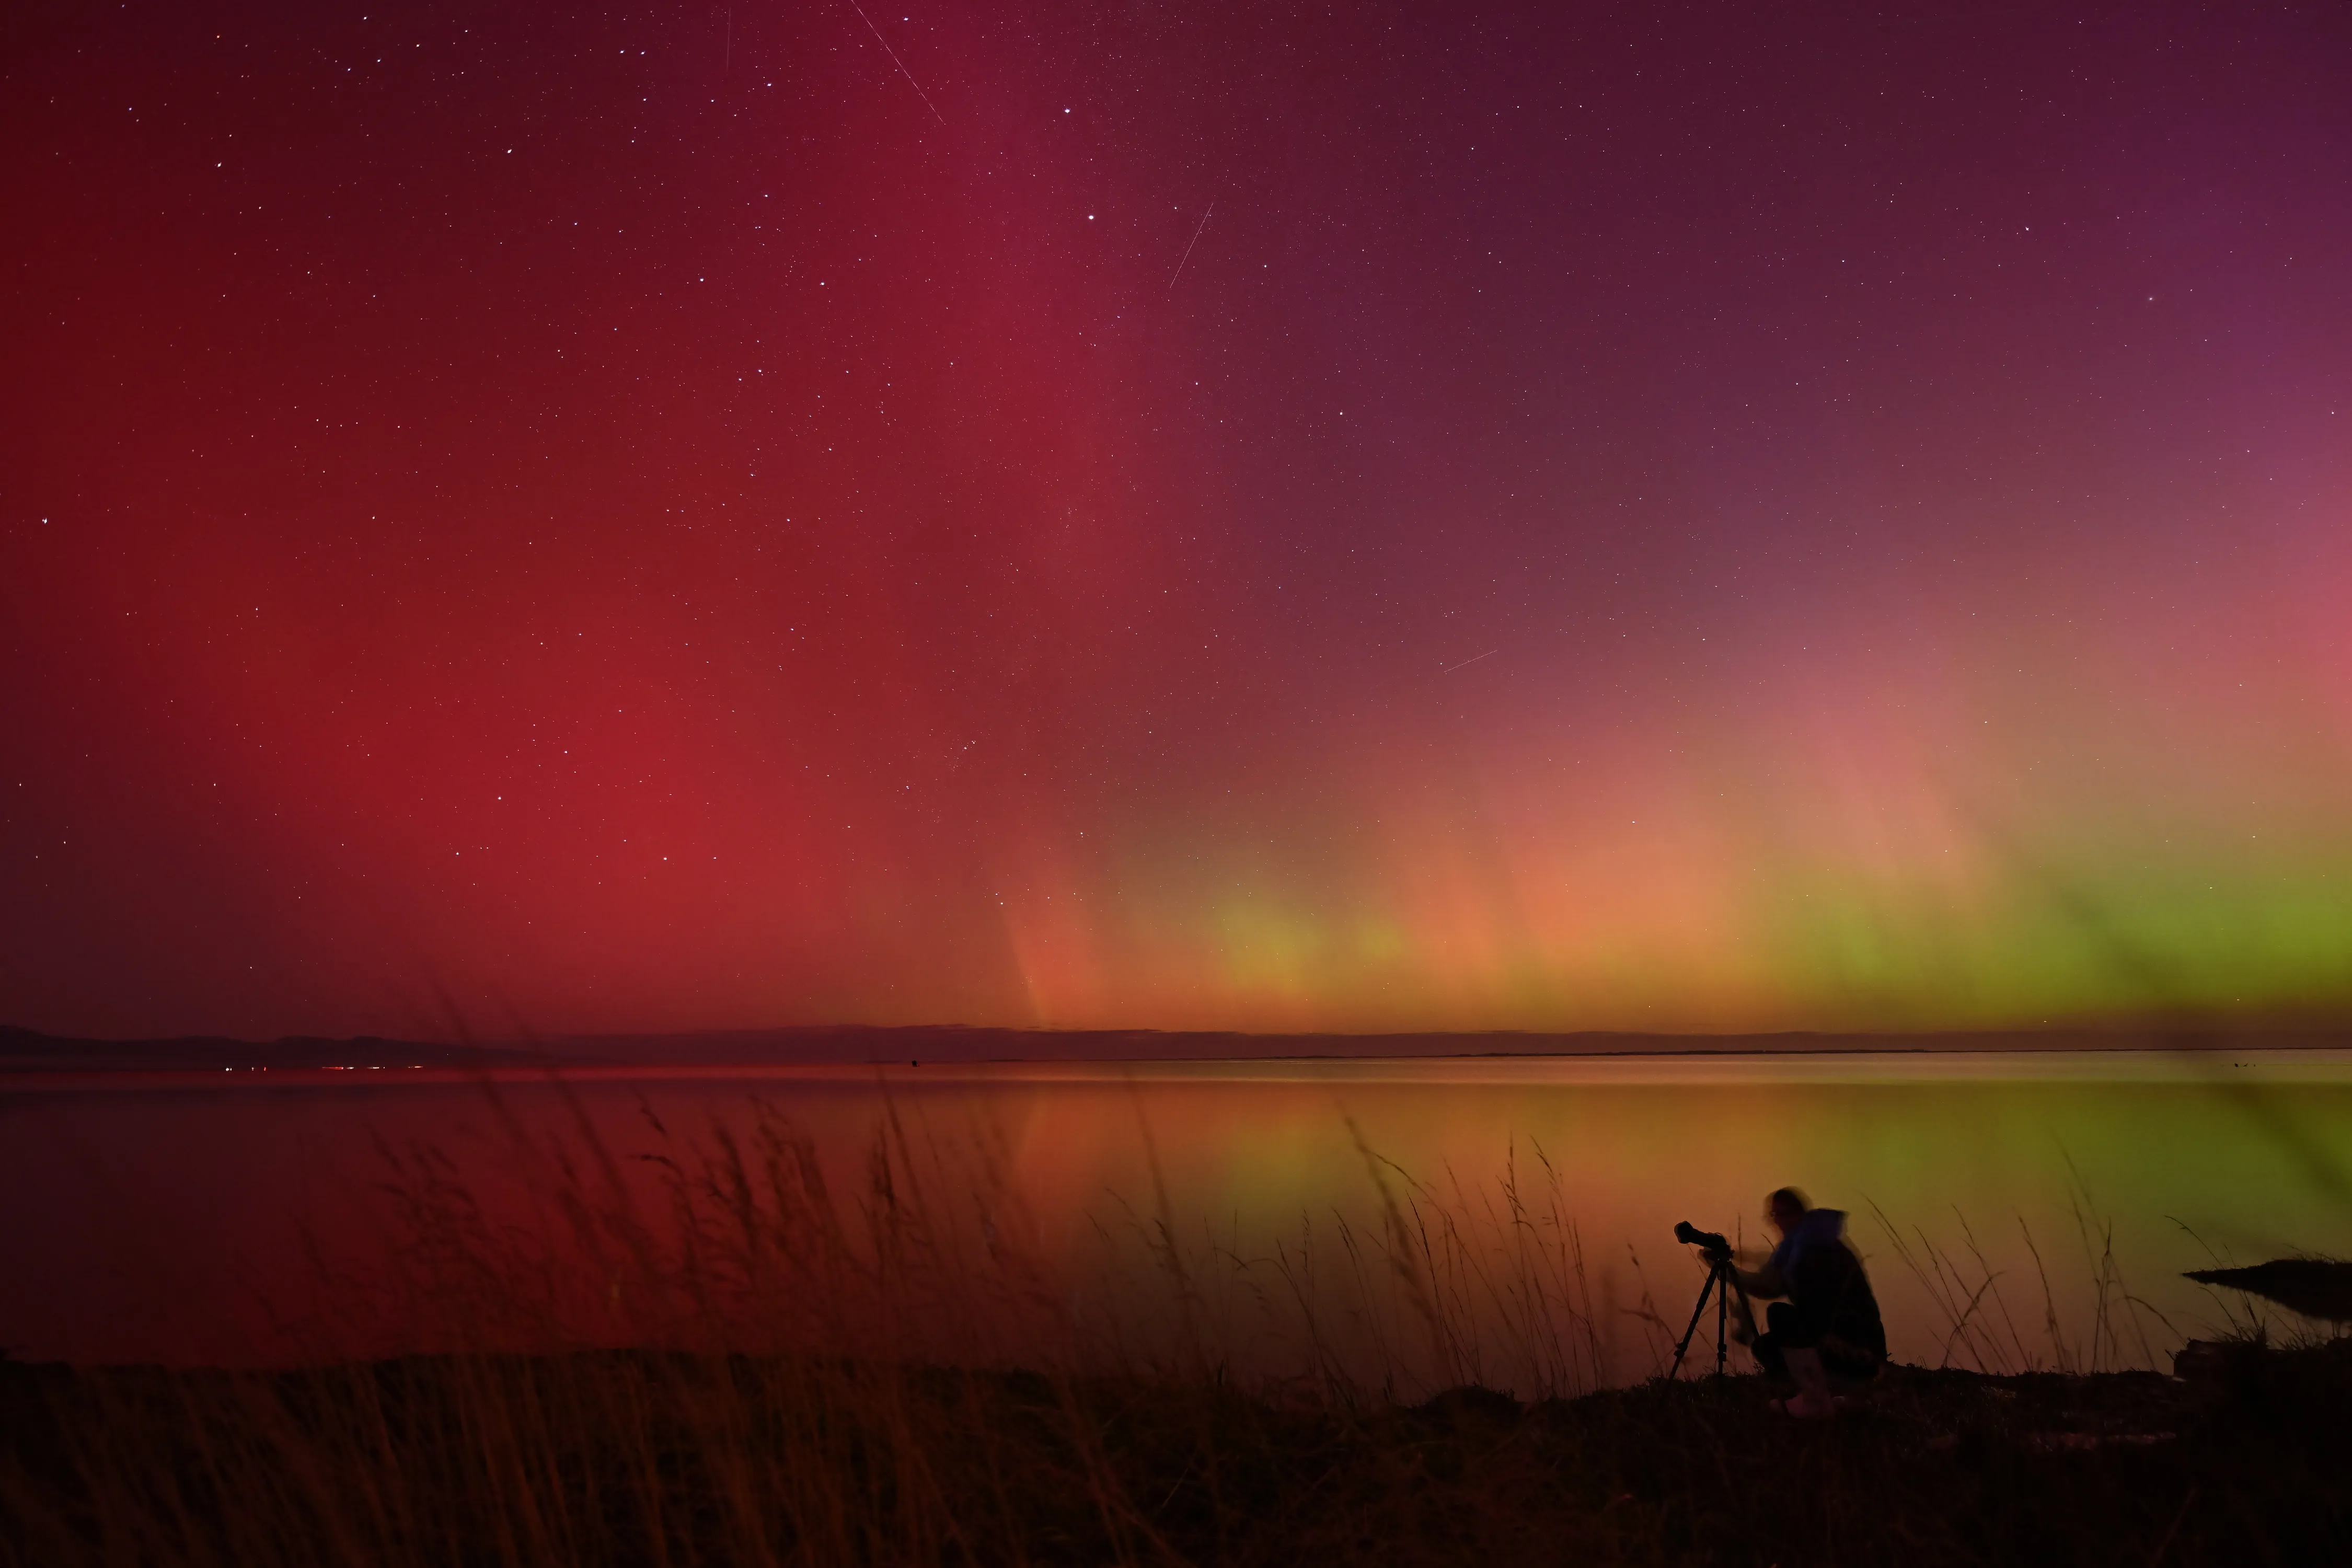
1255, 516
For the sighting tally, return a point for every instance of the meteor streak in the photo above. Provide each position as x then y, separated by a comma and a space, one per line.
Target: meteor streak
894, 60
1187, 249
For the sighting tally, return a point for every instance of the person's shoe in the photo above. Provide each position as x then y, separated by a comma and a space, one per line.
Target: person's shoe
1814, 1400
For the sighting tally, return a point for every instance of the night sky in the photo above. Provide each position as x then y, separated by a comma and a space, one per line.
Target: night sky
1343, 516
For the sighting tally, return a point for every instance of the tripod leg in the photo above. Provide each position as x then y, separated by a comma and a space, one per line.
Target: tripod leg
1682, 1346
1722, 1320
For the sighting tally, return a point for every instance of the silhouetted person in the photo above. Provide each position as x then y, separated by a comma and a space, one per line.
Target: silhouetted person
1829, 1326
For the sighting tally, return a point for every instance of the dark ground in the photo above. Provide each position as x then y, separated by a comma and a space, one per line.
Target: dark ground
642, 1458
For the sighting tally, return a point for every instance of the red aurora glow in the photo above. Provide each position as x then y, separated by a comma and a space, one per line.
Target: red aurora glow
1462, 517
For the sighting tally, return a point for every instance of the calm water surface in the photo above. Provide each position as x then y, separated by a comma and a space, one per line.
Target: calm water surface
216, 1216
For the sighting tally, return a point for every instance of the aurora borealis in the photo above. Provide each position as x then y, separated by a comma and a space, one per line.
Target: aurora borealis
1180, 517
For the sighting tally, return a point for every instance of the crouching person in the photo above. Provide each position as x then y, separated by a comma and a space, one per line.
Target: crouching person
1828, 1326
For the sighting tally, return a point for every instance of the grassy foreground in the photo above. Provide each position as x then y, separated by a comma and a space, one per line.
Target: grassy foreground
645, 1458
835, 1388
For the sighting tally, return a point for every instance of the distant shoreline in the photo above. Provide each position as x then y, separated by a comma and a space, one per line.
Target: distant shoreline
22, 1049
2317, 1064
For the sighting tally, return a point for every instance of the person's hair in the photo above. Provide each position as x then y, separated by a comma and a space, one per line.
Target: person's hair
1788, 1195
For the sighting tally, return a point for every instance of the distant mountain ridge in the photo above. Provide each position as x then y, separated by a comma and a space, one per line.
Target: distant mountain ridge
29, 1050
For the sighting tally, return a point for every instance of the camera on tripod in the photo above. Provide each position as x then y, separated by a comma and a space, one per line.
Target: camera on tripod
1722, 1283
1712, 1243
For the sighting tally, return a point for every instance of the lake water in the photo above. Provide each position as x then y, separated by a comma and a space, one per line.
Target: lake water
1276, 1213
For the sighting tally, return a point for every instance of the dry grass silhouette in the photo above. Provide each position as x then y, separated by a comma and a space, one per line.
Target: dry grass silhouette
714, 1352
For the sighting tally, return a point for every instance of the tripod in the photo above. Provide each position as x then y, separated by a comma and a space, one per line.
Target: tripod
1720, 1285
